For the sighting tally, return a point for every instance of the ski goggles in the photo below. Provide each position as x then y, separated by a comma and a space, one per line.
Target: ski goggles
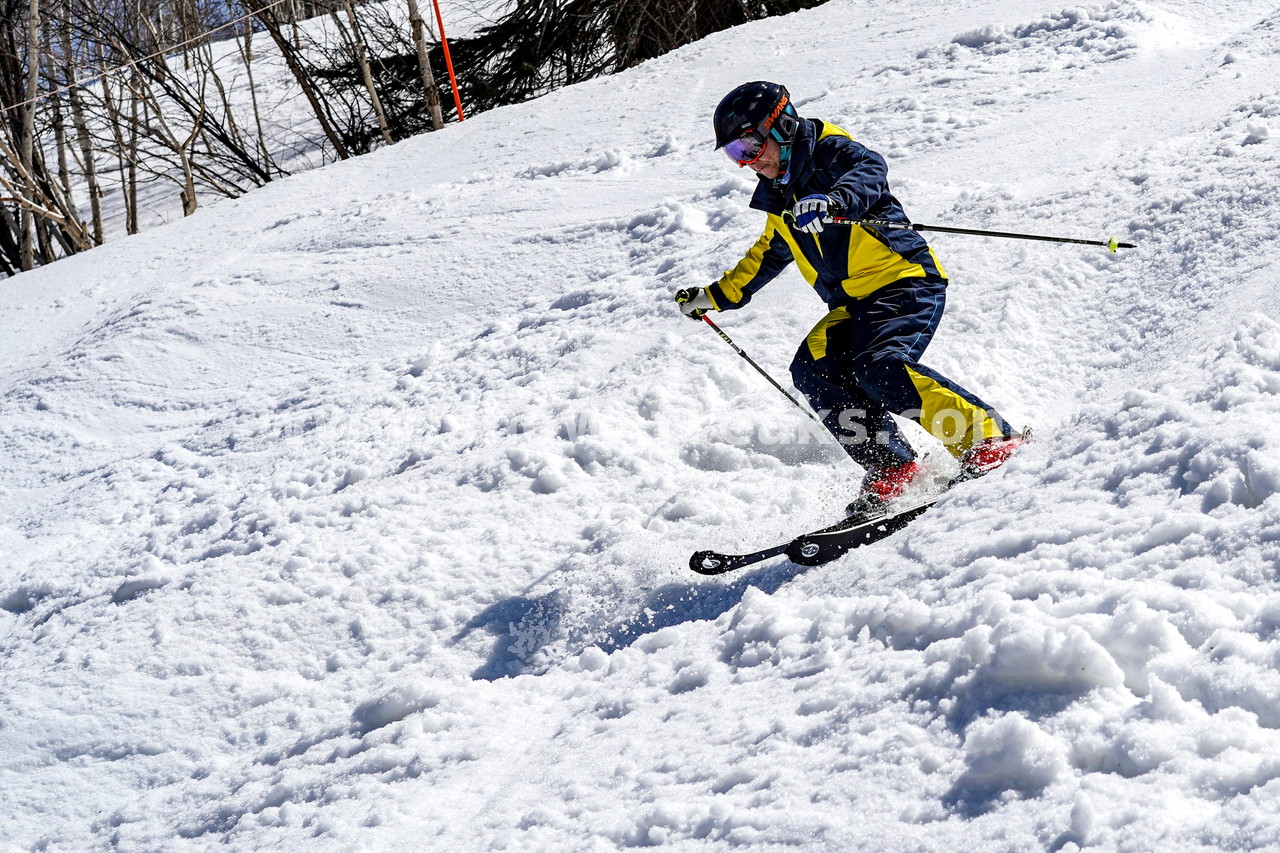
745, 150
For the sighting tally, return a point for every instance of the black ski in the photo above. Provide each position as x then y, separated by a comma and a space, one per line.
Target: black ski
830, 543
820, 546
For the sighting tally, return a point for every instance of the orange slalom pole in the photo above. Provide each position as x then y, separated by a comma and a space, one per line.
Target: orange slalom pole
444, 43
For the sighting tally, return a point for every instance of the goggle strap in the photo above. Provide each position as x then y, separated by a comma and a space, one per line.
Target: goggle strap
767, 124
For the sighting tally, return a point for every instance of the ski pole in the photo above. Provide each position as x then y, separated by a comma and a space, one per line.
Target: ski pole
728, 340
1111, 244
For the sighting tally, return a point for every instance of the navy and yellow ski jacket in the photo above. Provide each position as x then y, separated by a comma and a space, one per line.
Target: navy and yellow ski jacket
843, 263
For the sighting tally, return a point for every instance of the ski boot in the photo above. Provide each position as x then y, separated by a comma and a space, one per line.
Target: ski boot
882, 485
989, 454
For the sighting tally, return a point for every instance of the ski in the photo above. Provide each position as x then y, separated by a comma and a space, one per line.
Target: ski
830, 543
819, 546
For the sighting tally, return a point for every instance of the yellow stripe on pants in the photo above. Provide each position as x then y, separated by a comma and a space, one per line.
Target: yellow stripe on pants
817, 339
950, 418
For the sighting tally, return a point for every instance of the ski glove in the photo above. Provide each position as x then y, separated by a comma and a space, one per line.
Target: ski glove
810, 213
694, 302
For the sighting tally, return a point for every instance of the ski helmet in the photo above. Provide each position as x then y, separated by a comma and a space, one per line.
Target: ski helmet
762, 108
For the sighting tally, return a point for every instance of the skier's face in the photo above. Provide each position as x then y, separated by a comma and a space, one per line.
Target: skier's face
769, 161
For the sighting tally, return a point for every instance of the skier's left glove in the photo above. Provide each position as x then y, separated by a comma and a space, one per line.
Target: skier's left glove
694, 302
811, 213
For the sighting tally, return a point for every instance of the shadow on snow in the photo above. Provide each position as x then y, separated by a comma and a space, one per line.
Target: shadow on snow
524, 626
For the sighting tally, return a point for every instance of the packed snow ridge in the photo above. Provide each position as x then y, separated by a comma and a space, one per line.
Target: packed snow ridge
354, 514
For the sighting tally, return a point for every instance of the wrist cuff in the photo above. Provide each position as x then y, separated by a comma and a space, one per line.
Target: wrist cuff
717, 297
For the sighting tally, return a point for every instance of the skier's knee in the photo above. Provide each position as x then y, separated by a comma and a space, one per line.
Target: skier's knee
801, 373
876, 370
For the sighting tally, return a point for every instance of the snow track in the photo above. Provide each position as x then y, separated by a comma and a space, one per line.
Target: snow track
354, 514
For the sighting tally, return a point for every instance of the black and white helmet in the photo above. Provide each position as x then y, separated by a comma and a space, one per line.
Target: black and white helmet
762, 108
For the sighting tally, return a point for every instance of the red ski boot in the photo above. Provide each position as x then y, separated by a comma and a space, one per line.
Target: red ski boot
988, 455
882, 485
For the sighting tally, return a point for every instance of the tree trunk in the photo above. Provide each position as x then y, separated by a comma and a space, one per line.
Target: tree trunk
122, 154
152, 105
287, 51
247, 53
73, 236
362, 60
131, 171
10, 252
81, 125
428, 79
73, 227
27, 153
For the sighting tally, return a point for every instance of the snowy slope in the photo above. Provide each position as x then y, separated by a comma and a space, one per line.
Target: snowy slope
353, 514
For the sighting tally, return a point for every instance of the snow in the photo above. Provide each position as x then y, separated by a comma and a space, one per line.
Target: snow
353, 514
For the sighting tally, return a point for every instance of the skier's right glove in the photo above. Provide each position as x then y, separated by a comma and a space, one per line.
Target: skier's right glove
694, 302
811, 213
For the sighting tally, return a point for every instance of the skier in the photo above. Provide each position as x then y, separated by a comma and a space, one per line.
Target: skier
884, 289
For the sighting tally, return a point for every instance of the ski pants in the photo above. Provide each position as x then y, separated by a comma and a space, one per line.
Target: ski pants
860, 365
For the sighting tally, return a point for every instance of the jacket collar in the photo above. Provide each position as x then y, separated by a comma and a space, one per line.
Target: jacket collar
773, 199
